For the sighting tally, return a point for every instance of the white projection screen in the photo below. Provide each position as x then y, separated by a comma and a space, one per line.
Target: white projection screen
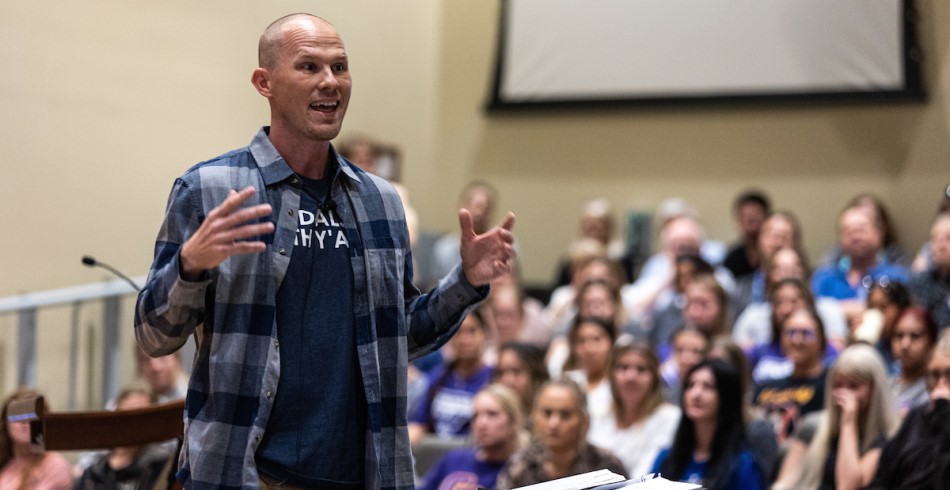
594, 52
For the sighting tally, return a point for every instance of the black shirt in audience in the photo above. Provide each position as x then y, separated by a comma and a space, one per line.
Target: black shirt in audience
919, 454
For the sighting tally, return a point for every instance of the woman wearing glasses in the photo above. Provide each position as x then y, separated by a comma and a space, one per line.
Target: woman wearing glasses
919, 455
783, 401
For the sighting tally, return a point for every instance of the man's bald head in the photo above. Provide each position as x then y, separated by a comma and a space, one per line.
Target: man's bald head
268, 48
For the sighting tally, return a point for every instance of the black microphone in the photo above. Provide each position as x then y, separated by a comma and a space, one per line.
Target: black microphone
329, 205
91, 262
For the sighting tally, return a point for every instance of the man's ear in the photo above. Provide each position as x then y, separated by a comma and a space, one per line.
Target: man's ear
260, 79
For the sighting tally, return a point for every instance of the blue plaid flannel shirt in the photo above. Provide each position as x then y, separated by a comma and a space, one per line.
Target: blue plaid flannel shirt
232, 315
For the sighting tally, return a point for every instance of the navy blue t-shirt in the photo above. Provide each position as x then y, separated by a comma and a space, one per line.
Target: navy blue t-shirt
317, 428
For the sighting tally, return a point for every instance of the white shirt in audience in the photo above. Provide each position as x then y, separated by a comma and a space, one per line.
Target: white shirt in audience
636, 446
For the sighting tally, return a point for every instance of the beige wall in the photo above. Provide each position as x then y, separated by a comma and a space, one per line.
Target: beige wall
106, 102
811, 159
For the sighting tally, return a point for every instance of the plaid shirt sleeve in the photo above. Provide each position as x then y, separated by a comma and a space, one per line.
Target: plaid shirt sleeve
169, 307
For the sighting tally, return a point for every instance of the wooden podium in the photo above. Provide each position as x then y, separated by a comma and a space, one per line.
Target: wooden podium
98, 429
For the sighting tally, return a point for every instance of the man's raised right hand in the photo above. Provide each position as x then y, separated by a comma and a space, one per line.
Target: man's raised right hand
220, 235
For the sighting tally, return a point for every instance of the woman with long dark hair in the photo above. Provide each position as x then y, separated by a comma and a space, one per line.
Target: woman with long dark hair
709, 446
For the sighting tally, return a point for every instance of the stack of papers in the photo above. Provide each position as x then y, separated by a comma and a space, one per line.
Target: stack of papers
607, 480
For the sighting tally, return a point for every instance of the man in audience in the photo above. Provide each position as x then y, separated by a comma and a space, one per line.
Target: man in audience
479, 199
750, 211
862, 264
931, 287
163, 374
291, 267
683, 235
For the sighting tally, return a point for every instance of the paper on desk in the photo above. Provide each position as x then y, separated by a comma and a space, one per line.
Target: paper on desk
576, 482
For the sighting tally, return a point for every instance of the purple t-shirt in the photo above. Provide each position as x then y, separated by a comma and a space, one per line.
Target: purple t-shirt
447, 407
461, 466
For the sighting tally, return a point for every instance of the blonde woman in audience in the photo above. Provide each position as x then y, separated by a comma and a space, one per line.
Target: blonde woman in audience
20, 467
497, 434
844, 450
639, 422
559, 448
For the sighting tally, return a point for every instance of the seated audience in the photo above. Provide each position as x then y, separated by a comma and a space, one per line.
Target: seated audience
447, 408
931, 286
639, 421
361, 151
914, 338
559, 448
20, 467
842, 448
596, 298
707, 306
666, 314
886, 300
710, 447
750, 210
862, 262
689, 346
590, 340
521, 369
597, 223
511, 319
681, 235
759, 434
165, 378
919, 454
890, 248
783, 401
163, 374
589, 266
496, 431
130, 467
781, 230
924, 259
479, 199
601, 299
768, 360
753, 327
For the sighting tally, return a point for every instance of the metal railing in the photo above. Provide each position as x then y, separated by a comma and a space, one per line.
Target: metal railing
26, 308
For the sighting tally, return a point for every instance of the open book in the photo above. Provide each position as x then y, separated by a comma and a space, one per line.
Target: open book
606, 480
